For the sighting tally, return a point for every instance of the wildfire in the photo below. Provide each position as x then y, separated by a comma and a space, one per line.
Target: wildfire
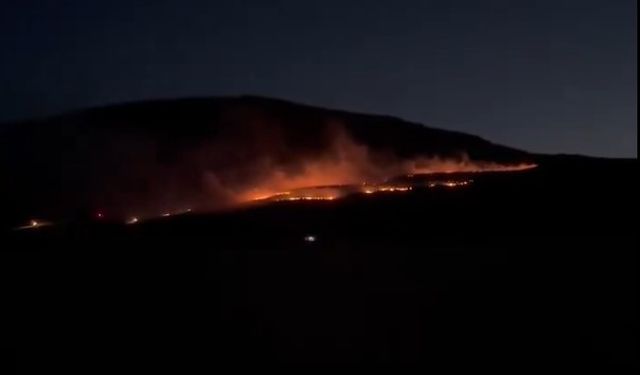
355, 173
343, 163
464, 165
308, 194
341, 168
307, 198
449, 184
389, 189
271, 166
324, 193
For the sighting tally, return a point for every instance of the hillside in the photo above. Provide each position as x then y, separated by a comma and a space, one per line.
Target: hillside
213, 152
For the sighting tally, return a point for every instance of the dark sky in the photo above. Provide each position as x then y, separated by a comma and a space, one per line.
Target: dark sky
547, 76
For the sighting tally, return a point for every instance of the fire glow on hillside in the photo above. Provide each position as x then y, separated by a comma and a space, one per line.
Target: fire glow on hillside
330, 193
228, 174
345, 164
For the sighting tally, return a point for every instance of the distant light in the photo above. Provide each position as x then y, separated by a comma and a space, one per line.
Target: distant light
99, 215
310, 238
132, 220
166, 214
34, 224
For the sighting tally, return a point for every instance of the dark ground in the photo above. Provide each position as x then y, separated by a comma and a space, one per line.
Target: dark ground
526, 271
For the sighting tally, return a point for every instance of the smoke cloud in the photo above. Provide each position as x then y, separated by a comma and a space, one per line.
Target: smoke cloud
249, 157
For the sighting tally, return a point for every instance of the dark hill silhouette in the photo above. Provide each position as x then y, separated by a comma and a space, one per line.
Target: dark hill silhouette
191, 119
201, 151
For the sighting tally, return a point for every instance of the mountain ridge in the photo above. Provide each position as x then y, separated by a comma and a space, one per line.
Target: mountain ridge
137, 105
152, 156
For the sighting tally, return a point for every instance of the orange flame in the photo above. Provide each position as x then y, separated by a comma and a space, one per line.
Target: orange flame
347, 163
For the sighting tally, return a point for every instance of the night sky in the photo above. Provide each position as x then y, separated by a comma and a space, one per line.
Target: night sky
546, 76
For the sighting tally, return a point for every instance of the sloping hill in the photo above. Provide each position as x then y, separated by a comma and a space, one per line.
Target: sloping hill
207, 152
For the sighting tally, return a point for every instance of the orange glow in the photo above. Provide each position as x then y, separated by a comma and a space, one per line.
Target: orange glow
306, 198
323, 193
342, 174
452, 183
34, 224
464, 165
347, 164
385, 188
449, 183
319, 193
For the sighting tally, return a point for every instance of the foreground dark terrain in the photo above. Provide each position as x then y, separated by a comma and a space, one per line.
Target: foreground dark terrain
532, 270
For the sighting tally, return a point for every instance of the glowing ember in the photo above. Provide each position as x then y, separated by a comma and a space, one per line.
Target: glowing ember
306, 198
330, 193
394, 188
450, 184
34, 224
372, 189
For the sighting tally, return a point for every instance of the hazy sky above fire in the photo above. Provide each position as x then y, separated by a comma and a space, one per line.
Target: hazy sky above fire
546, 75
